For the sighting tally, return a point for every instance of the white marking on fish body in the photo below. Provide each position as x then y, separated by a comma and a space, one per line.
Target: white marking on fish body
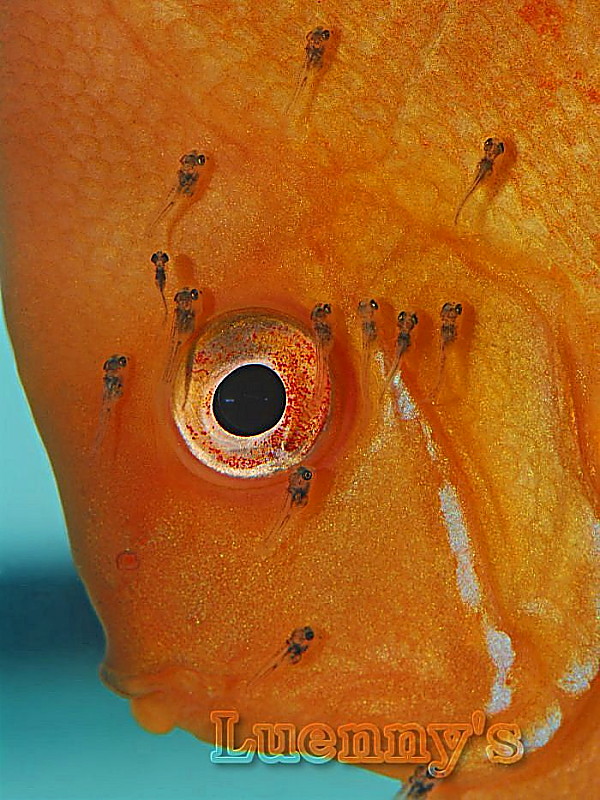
406, 406
579, 677
499, 645
466, 578
539, 735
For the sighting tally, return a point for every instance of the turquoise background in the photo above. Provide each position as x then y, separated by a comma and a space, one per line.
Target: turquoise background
63, 735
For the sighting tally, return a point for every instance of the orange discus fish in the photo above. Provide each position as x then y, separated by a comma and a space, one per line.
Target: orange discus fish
447, 555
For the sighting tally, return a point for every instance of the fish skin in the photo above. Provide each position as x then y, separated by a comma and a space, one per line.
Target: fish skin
99, 104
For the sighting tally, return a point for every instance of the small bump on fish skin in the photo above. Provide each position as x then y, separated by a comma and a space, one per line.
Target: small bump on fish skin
128, 561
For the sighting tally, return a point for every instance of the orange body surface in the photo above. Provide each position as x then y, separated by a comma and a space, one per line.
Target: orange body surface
446, 554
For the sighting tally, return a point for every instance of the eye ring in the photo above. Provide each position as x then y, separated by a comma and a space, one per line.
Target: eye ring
242, 338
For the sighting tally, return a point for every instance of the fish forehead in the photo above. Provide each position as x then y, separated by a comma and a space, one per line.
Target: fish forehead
411, 517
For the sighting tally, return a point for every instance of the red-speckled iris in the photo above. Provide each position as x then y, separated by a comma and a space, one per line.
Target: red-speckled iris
233, 341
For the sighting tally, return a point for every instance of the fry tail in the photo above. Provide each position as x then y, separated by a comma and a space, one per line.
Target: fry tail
438, 386
298, 91
390, 377
162, 213
269, 666
482, 172
189, 365
169, 372
101, 429
465, 198
164, 302
275, 536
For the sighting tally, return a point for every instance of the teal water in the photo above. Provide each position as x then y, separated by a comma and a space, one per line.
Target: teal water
63, 736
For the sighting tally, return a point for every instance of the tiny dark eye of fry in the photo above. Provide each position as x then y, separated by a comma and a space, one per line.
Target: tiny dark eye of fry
500, 147
250, 400
488, 143
159, 257
307, 474
374, 305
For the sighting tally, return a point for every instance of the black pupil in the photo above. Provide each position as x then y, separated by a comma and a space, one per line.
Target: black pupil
250, 400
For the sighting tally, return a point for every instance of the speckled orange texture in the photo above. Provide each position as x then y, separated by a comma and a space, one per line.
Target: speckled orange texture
350, 198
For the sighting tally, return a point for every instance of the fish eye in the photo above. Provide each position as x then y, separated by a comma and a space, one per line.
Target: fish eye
194, 294
374, 305
415, 319
500, 147
309, 633
326, 34
458, 308
402, 316
327, 308
488, 142
122, 361
252, 397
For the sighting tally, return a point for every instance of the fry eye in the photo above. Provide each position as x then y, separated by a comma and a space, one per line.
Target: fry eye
252, 398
